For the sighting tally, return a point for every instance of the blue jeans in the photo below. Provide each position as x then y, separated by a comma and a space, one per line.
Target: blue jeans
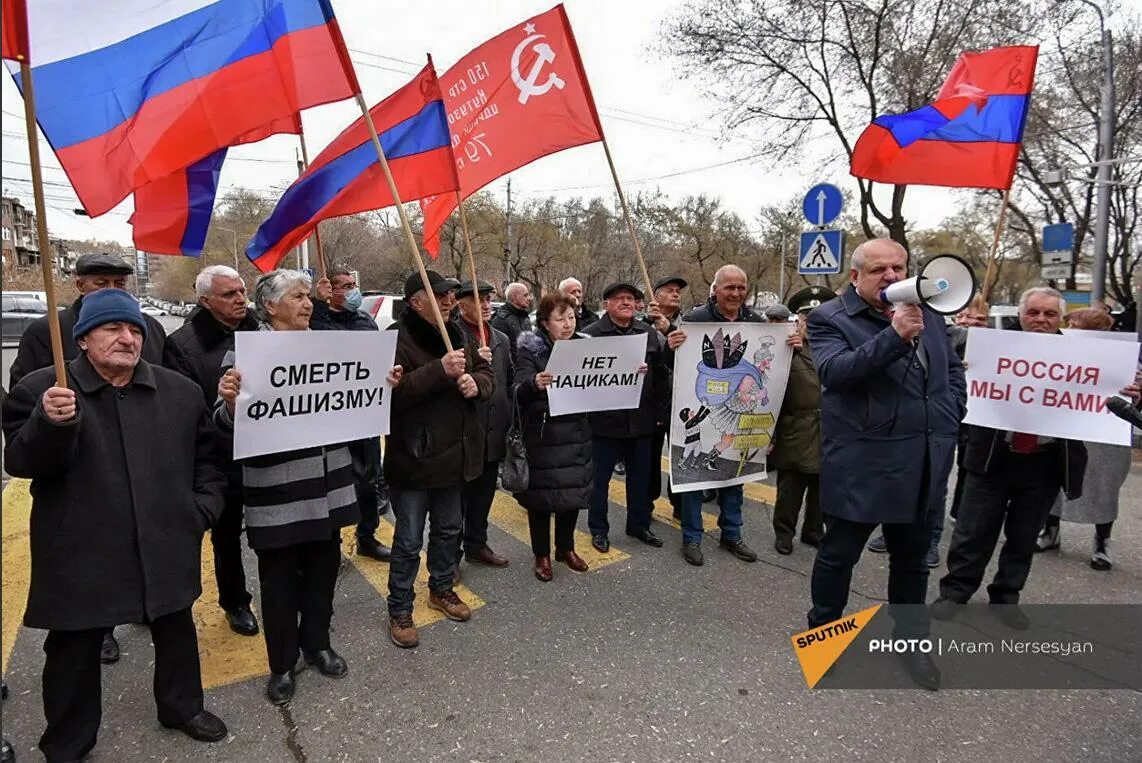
636, 453
411, 507
730, 501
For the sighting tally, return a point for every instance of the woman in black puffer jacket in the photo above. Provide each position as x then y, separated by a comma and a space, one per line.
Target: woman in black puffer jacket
558, 447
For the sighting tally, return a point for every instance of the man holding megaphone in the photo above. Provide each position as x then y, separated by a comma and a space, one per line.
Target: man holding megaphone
892, 398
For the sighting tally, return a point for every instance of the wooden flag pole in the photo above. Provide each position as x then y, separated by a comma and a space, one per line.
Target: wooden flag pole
316, 228
985, 292
472, 268
47, 259
630, 224
404, 220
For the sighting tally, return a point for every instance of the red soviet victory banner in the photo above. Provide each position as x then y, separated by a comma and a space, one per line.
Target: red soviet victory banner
519, 96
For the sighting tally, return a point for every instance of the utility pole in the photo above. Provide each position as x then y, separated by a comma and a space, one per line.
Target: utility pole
781, 288
1105, 171
508, 241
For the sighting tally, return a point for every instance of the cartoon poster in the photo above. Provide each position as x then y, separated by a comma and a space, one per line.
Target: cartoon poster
729, 381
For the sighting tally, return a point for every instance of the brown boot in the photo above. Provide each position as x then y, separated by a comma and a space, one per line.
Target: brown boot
402, 631
486, 556
450, 604
572, 560
543, 568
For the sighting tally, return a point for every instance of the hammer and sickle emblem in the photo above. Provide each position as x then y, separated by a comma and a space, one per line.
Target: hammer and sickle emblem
529, 86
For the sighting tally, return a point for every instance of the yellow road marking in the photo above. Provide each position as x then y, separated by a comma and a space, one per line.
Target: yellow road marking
377, 573
226, 657
17, 569
510, 517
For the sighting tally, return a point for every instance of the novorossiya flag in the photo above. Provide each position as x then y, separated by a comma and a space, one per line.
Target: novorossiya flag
520, 96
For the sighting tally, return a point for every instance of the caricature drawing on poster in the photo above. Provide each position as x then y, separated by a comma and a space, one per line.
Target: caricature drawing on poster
729, 381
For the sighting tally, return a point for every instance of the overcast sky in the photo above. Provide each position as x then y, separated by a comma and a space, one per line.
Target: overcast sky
660, 129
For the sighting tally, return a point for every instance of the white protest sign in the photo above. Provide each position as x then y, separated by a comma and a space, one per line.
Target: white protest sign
301, 389
596, 374
1048, 384
729, 381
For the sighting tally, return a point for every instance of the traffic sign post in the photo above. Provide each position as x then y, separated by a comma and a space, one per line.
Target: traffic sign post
822, 252
1055, 272
1059, 238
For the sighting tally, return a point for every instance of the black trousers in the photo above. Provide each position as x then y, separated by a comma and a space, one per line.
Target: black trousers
297, 598
226, 538
792, 488
73, 690
368, 483
539, 523
655, 474
1016, 499
476, 502
840, 550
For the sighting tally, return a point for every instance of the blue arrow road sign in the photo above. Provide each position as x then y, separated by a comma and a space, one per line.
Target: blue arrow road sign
1058, 238
822, 204
822, 251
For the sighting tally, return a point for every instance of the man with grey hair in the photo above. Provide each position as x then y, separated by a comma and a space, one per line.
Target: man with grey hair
571, 287
513, 317
1012, 481
196, 350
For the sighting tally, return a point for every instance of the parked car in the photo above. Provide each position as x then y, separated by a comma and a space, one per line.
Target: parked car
1003, 317
384, 308
153, 311
20, 309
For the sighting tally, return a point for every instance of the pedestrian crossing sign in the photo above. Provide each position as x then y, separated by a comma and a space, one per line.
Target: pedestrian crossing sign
822, 251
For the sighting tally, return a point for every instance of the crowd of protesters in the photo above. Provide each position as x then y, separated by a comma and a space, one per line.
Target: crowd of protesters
131, 463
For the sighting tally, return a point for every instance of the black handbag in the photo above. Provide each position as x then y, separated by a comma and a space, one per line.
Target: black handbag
515, 475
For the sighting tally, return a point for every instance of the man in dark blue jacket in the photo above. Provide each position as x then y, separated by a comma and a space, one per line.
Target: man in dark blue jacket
338, 309
893, 395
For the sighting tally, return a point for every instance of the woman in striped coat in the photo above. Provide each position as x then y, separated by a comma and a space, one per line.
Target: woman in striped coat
295, 505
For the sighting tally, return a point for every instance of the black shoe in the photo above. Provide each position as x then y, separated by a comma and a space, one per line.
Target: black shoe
933, 557
1011, 616
739, 549
692, 553
620, 468
944, 608
374, 549
280, 688
242, 621
783, 544
205, 727
329, 663
601, 543
709, 495
109, 654
878, 545
811, 540
647, 537
7, 754
1048, 539
922, 670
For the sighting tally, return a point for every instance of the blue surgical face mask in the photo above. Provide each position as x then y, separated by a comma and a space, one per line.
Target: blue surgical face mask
353, 299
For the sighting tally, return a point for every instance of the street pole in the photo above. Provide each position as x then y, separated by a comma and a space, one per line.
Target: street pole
1105, 170
233, 233
781, 269
508, 242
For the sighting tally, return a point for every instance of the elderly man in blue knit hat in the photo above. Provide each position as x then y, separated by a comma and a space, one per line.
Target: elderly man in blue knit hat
124, 486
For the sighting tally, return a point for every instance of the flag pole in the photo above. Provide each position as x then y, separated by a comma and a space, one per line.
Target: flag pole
630, 223
985, 292
409, 237
47, 258
317, 227
472, 267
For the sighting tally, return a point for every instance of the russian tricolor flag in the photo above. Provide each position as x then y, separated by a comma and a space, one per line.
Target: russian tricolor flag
346, 178
131, 92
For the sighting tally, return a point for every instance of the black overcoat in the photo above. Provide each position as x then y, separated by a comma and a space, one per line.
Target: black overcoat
121, 496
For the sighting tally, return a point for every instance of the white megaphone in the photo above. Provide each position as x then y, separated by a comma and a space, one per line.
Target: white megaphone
946, 284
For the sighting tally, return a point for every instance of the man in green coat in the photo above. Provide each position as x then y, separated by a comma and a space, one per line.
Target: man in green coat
797, 440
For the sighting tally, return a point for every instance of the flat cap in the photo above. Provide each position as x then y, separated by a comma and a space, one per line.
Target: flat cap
439, 284
777, 313
682, 284
618, 286
102, 264
466, 288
